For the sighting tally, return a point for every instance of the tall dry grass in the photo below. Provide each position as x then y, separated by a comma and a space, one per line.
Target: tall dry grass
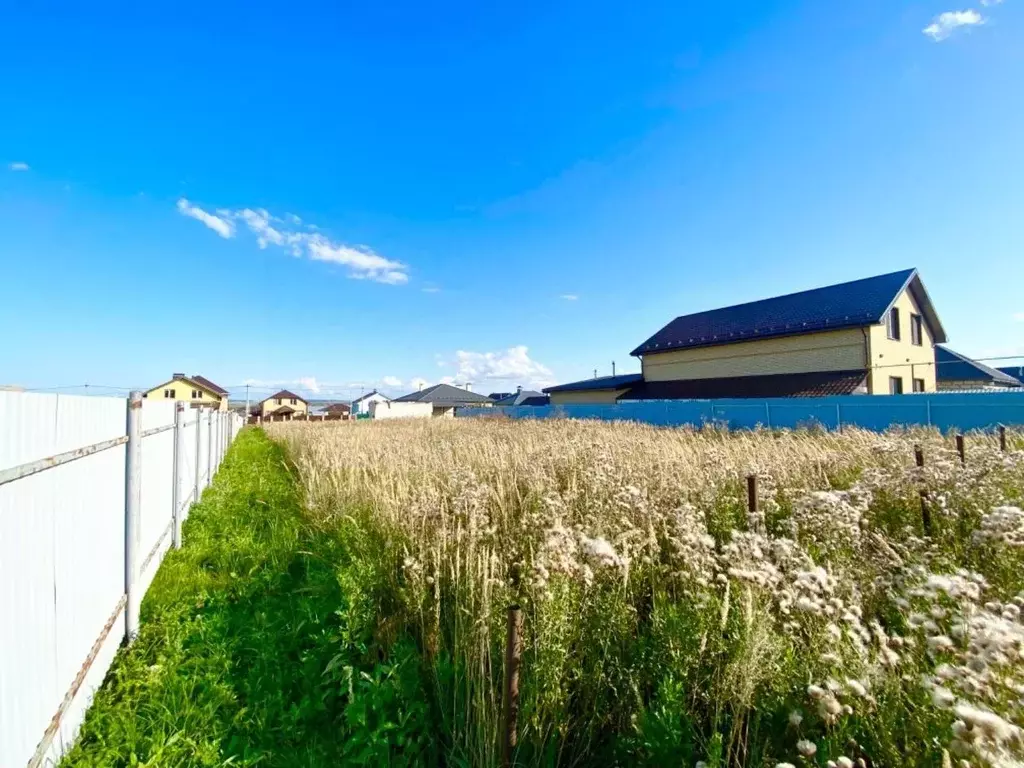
665, 625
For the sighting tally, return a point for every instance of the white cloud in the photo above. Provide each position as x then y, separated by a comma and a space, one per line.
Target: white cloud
945, 23
18, 166
987, 3
431, 289
569, 296
1019, 317
222, 226
309, 383
391, 381
418, 383
513, 365
362, 262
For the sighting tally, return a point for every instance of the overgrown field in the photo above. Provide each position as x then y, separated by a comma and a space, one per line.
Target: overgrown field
664, 625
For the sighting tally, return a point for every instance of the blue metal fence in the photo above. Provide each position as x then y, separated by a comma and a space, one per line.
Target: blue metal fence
946, 411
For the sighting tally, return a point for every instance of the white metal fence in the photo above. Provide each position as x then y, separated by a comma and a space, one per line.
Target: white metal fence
93, 491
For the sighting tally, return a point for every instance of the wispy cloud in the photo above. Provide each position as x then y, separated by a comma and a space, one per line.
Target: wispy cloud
987, 3
946, 23
418, 383
362, 262
431, 289
391, 381
569, 296
221, 226
1019, 317
18, 166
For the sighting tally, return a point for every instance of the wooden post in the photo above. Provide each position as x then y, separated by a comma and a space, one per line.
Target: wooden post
926, 513
1002, 438
961, 450
752, 501
510, 699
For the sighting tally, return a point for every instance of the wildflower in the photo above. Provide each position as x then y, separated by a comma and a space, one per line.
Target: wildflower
795, 718
806, 748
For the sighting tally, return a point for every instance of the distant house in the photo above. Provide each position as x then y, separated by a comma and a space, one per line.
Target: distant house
522, 397
445, 399
870, 336
198, 391
496, 396
958, 372
338, 410
361, 405
282, 406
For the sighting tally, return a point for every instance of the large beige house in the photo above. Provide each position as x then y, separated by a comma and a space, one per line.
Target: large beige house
197, 390
870, 336
282, 406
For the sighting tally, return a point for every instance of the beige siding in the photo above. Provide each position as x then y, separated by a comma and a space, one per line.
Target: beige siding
183, 393
270, 405
825, 351
901, 358
587, 397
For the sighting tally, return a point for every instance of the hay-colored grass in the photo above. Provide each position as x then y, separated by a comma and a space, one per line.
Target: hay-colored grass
666, 626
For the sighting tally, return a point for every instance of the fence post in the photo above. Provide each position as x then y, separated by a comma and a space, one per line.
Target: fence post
510, 699
961, 449
839, 418
926, 513
1002, 438
195, 498
179, 471
132, 514
209, 450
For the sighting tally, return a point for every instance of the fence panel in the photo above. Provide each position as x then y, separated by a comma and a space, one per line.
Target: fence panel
62, 553
61, 562
962, 411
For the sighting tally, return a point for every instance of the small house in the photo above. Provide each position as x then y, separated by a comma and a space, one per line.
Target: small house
282, 406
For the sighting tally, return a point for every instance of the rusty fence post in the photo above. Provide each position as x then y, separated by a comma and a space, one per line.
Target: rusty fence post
510, 698
178, 473
132, 514
1002, 438
961, 449
926, 513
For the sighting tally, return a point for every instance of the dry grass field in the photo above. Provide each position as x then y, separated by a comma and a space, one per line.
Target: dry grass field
663, 623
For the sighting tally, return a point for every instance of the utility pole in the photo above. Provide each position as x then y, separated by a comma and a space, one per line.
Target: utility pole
245, 420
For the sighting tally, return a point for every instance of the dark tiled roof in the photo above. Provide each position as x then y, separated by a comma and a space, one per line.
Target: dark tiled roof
444, 394
209, 385
816, 384
524, 397
1017, 371
338, 408
284, 410
952, 366
500, 395
601, 382
284, 393
847, 305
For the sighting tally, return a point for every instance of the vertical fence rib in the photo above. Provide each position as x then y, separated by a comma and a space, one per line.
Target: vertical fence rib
178, 473
132, 514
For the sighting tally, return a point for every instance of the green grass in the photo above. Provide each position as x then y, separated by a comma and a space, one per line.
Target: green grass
237, 631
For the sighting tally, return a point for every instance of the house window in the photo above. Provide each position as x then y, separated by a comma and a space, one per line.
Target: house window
169, 394
197, 394
916, 330
919, 385
895, 385
894, 324
293, 401
278, 401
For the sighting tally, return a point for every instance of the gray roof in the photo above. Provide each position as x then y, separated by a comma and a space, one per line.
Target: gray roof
952, 366
601, 382
444, 394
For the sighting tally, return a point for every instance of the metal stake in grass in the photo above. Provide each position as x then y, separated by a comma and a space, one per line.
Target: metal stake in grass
961, 450
926, 513
510, 700
1002, 438
753, 503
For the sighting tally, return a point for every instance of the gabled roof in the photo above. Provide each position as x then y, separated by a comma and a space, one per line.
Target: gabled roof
815, 384
284, 393
195, 381
443, 394
523, 397
952, 366
284, 410
846, 305
369, 394
1017, 371
601, 382
203, 381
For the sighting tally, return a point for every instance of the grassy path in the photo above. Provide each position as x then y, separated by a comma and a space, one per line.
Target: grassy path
237, 631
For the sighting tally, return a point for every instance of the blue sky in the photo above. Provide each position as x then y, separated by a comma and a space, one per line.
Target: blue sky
506, 193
